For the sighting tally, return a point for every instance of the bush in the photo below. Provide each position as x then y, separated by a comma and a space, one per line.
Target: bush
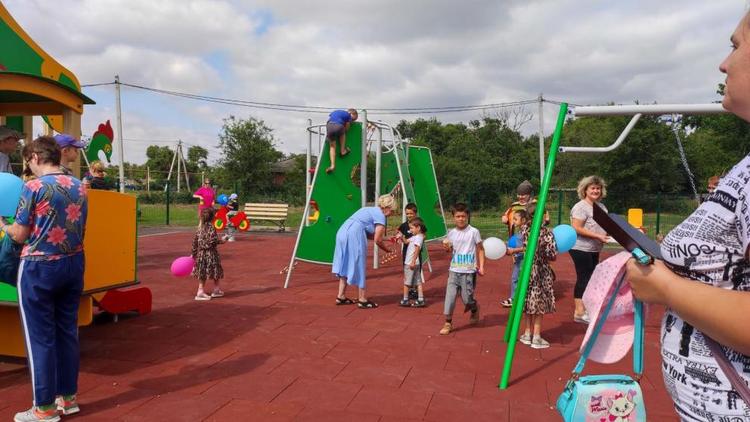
160, 197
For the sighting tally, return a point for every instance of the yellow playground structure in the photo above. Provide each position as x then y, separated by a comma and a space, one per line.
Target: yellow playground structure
32, 83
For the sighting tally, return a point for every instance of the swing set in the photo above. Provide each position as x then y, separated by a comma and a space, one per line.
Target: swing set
637, 111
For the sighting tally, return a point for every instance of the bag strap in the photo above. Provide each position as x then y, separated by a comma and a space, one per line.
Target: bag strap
734, 378
637, 337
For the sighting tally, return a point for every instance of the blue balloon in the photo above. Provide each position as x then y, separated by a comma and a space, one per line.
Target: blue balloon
10, 194
513, 241
565, 237
222, 199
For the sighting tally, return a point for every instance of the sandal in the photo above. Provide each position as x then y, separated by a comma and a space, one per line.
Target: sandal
366, 305
344, 301
346, 152
329, 170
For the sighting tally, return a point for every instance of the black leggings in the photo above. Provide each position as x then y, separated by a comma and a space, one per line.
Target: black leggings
585, 262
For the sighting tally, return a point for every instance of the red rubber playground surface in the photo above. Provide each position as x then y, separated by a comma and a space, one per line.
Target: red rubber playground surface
264, 353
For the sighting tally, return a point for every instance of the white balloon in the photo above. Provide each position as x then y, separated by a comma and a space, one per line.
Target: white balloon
494, 248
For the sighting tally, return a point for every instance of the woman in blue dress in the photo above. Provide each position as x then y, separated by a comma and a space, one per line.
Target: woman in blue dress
350, 254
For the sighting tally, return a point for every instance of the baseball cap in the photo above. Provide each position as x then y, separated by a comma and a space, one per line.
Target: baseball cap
233, 196
524, 188
64, 140
616, 335
9, 132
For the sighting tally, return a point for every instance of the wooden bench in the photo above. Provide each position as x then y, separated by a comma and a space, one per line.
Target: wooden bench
275, 213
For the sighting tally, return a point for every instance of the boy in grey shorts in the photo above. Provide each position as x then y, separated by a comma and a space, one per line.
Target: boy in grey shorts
412, 264
467, 259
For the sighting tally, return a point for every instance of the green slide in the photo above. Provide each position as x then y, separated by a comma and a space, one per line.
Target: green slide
338, 196
424, 187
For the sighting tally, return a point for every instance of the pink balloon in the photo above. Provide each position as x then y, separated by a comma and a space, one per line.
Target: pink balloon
182, 266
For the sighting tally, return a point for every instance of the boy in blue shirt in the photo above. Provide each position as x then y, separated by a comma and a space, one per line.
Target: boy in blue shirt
336, 127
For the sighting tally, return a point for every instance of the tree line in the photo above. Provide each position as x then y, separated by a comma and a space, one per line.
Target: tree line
481, 162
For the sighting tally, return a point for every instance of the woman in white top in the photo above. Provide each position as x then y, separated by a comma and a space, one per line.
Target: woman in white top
590, 241
704, 280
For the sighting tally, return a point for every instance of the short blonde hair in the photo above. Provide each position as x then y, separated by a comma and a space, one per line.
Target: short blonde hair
96, 166
588, 181
386, 201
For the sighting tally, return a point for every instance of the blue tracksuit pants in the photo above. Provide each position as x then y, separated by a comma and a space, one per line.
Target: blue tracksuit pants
49, 293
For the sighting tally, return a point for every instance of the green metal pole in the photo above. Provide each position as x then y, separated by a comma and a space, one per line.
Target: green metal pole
167, 203
511, 330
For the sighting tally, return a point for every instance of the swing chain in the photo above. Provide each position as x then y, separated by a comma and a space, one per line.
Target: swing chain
676, 126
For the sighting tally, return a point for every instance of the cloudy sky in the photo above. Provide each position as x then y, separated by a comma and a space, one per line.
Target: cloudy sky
382, 54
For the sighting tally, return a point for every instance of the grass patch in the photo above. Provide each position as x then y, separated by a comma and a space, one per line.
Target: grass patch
487, 222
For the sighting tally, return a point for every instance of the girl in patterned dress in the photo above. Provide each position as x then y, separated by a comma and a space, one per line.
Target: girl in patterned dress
540, 297
206, 256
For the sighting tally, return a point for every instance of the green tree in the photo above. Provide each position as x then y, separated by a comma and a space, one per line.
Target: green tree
159, 158
248, 152
197, 158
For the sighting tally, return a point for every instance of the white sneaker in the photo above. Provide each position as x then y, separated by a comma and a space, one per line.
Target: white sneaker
67, 407
525, 339
202, 296
217, 293
539, 343
231, 239
36, 415
582, 319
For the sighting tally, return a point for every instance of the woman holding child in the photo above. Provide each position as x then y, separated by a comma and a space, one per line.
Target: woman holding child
704, 280
350, 254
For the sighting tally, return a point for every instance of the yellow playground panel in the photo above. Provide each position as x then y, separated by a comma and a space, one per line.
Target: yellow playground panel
635, 217
110, 247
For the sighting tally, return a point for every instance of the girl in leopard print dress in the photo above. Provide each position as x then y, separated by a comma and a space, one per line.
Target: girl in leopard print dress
206, 256
540, 297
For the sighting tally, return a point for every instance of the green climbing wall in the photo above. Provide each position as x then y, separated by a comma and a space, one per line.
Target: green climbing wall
425, 190
421, 188
338, 196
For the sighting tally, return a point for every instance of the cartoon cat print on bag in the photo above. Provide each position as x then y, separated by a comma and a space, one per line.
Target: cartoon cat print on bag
612, 406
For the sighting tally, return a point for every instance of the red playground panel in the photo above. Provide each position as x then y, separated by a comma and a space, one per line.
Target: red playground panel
120, 301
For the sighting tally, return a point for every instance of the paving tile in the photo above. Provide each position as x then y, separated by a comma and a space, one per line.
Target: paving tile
250, 410
450, 407
175, 407
459, 383
261, 387
320, 415
313, 393
402, 403
352, 352
390, 374
325, 369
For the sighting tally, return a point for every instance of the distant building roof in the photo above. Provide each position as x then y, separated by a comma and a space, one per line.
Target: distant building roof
286, 166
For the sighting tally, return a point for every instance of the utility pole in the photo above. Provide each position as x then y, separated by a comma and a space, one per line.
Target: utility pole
541, 138
119, 133
178, 154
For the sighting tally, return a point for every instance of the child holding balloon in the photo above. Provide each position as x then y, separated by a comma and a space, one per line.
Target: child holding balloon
540, 296
206, 256
516, 247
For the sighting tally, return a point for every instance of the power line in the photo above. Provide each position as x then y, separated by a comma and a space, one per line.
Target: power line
322, 109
